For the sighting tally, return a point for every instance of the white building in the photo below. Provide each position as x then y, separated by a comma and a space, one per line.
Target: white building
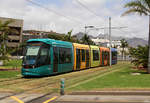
105, 42
101, 41
114, 44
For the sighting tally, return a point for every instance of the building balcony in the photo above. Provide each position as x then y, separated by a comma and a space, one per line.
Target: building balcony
12, 44
14, 37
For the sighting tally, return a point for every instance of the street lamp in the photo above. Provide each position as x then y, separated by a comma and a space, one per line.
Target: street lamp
88, 27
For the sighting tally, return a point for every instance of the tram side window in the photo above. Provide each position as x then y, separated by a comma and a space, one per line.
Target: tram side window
87, 55
64, 55
107, 55
83, 55
114, 55
103, 55
44, 56
95, 55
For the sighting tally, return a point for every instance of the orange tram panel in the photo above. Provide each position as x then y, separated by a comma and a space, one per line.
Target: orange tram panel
104, 56
81, 56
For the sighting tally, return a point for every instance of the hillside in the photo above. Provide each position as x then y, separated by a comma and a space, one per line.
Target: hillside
133, 42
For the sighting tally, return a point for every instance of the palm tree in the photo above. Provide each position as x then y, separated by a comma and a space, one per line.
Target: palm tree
124, 45
4, 31
141, 7
86, 40
68, 37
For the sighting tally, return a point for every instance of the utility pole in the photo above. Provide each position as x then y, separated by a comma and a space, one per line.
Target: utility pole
149, 49
85, 29
110, 40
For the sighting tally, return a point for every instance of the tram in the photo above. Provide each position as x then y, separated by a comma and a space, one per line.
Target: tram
45, 57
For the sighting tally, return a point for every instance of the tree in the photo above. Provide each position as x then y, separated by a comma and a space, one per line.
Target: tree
4, 31
68, 36
56, 36
139, 55
141, 7
124, 45
86, 40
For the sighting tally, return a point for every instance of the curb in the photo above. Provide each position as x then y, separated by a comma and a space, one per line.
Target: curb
146, 93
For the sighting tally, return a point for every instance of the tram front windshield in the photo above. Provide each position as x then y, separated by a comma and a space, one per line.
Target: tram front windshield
31, 54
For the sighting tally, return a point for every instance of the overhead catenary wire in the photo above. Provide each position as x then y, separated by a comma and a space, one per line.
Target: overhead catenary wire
93, 12
88, 9
84, 6
53, 11
126, 32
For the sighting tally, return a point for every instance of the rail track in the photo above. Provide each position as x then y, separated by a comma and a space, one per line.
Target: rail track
53, 80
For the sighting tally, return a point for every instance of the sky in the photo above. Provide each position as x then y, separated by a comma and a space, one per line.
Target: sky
64, 15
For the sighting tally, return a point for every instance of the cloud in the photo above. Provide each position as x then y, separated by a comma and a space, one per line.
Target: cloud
76, 16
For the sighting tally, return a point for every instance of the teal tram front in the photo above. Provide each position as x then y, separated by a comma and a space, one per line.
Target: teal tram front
45, 57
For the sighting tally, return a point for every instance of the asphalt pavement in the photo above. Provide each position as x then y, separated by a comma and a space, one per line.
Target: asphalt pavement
81, 97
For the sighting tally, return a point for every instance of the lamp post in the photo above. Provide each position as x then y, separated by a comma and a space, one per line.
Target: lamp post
88, 27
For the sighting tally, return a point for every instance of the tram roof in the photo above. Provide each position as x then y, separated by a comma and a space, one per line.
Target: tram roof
104, 48
81, 46
50, 41
113, 49
94, 47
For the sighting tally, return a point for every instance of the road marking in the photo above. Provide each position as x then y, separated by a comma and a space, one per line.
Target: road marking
51, 99
15, 98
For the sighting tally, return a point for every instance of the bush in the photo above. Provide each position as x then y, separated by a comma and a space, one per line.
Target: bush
140, 56
14, 63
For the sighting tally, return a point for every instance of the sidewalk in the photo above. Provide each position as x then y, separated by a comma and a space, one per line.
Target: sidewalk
21, 97
143, 93
106, 97
102, 99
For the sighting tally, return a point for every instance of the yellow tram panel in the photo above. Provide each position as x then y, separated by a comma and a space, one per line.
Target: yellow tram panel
81, 56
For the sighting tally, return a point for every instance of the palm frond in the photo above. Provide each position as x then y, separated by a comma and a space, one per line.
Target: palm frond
146, 3
134, 10
137, 6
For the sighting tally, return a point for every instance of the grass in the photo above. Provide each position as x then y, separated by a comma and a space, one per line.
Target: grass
9, 74
51, 83
12, 64
118, 76
122, 79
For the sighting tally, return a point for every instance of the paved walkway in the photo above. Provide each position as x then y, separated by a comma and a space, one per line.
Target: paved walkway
102, 99
23, 98
81, 97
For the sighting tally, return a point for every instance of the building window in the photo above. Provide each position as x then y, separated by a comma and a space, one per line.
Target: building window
64, 55
95, 55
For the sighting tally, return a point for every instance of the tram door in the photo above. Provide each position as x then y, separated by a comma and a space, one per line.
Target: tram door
55, 59
87, 58
78, 59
